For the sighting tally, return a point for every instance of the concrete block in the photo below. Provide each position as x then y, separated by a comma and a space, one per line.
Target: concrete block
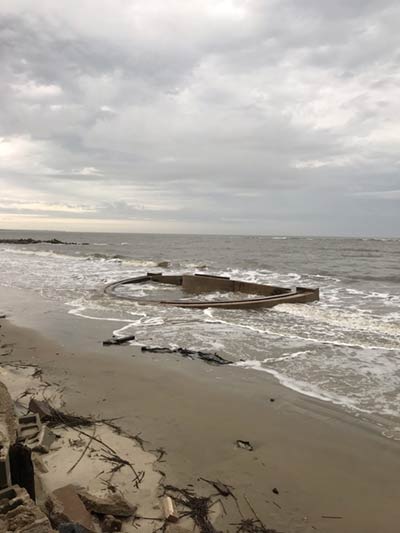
8, 493
28, 426
43, 441
5, 472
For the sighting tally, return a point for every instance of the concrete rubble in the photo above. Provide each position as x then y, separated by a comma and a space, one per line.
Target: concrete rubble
33, 501
20, 514
65, 506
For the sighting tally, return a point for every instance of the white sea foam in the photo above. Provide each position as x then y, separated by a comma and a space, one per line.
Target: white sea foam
344, 349
300, 386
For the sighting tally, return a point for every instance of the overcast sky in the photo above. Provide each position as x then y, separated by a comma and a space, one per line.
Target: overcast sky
201, 116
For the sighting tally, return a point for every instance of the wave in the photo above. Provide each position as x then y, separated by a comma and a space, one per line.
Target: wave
367, 277
341, 318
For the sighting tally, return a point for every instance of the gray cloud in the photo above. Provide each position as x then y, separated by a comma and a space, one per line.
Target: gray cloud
251, 116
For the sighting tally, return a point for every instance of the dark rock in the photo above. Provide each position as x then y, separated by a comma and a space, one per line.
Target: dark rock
163, 264
275, 490
38, 241
245, 445
111, 524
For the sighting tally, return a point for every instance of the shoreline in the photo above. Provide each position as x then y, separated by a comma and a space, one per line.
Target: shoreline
322, 461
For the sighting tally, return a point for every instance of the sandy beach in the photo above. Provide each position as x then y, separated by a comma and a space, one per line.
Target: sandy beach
313, 467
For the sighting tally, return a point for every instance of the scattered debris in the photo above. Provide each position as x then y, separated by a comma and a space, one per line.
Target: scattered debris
332, 517
169, 509
275, 490
198, 507
55, 417
118, 340
211, 358
252, 525
64, 505
272, 399
115, 504
245, 445
3, 316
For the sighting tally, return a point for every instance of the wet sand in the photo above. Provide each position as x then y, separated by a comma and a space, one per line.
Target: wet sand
324, 462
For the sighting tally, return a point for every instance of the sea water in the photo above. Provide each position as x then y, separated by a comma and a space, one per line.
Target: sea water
344, 349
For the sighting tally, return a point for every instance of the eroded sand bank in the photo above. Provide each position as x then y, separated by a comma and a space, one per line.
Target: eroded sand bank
322, 461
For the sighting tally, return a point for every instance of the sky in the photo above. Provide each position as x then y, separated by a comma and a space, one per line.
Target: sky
201, 116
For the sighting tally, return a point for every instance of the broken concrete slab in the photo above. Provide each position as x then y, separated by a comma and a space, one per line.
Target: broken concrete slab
64, 505
114, 504
40, 407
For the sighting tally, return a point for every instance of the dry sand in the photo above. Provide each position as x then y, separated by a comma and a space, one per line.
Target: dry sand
322, 461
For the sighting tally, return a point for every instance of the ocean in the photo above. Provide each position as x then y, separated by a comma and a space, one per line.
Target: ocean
344, 349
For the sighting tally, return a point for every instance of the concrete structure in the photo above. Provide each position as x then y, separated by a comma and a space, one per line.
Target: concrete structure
265, 296
8, 434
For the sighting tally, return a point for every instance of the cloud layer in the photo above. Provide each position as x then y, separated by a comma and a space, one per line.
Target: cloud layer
251, 116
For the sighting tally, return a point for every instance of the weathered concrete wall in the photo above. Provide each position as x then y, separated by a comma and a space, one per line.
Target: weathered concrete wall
8, 434
255, 288
198, 284
172, 280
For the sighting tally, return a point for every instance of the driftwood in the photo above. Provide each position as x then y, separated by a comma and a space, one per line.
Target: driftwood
198, 507
222, 489
118, 340
211, 358
58, 418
